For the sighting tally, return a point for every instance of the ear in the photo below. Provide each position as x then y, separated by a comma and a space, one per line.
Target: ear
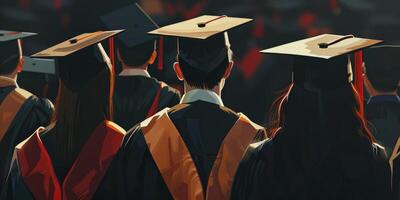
152, 58
228, 70
178, 71
20, 64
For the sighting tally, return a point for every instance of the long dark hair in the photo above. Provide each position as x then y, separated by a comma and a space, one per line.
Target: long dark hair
346, 105
83, 102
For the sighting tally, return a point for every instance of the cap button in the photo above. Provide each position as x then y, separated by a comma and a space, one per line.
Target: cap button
73, 41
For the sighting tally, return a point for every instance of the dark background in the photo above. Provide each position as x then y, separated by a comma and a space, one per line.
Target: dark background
256, 79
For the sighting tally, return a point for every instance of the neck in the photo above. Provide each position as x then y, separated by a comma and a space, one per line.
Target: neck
11, 76
143, 67
216, 89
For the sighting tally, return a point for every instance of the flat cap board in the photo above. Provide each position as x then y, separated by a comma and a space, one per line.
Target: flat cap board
136, 23
191, 29
311, 47
39, 65
77, 43
13, 35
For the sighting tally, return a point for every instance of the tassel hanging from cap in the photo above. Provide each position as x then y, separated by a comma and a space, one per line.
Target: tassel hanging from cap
160, 54
359, 81
111, 52
112, 61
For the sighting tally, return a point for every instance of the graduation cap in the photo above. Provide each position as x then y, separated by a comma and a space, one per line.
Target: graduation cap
11, 46
381, 64
203, 41
77, 60
322, 61
136, 23
40, 65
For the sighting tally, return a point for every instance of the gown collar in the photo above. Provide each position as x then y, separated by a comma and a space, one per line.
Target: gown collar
202, 95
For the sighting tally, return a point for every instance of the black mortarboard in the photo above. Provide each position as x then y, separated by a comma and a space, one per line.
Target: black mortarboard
203, 41
9, 46
79, 60
136, 23
321, 61
381, 62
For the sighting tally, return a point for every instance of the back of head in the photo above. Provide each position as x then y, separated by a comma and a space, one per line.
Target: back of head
135, 46
322, 101
204, 62
383, 68
136, 56
83, 100
9, 56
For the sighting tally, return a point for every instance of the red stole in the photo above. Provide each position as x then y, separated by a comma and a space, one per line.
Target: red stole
85, 174
154, 106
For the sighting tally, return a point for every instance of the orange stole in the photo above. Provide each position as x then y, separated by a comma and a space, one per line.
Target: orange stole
10, 107
83, 177
175, 163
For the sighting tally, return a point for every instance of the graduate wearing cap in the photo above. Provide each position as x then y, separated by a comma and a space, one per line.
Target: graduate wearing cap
137, 95
382, 81
190, 151
320, 147
73, 157
21, 112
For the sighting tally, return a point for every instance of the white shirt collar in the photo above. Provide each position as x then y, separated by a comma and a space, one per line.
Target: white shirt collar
202, 95
135, 72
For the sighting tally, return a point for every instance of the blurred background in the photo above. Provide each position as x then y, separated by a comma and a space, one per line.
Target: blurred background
256, 80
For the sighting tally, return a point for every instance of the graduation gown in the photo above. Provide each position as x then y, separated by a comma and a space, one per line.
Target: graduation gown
32, 113
383, 112
138, 97
37, 173
279, 169
203, 128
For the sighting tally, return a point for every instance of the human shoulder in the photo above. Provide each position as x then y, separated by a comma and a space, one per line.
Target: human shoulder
42, 106
167, 89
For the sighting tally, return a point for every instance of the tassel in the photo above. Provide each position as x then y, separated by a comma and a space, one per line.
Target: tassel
160, 54
111, 52
112, 60
359, 82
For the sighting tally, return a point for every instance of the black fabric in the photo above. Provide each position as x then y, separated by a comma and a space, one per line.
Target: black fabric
321, 73
279, 169
134, 95
76, 76
34, 113
384, 117
9, 56
204, 55
396, 178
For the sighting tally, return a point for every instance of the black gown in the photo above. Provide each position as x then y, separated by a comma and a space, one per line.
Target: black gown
34, 113
202, 126
396, 176
17, 189
284, 168
383, 112
134, 95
